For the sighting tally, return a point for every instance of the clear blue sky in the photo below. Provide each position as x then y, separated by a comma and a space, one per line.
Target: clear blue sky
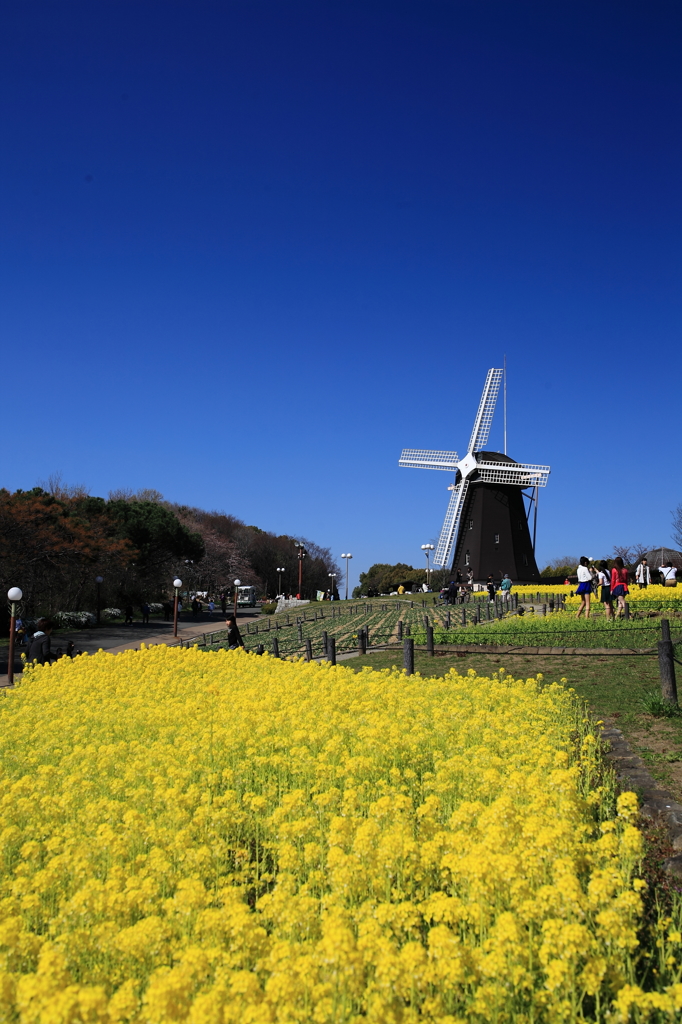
251, 250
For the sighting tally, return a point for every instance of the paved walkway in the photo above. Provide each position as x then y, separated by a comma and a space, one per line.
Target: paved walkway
118, 638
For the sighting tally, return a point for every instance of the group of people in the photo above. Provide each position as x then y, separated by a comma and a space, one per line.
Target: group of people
612, 585
40, 645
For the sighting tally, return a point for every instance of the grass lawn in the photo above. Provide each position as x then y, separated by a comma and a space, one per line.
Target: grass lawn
612, 686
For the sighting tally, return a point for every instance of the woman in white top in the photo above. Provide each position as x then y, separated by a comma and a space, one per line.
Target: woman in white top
604, 577
584, 587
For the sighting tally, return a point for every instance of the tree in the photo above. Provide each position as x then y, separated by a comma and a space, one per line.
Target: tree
677, 526
53, 548
381, 578
564, 566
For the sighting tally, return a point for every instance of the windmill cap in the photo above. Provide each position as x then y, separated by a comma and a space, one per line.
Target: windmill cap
484, 456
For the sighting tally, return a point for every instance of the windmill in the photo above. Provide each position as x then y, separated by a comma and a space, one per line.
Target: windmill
486, 524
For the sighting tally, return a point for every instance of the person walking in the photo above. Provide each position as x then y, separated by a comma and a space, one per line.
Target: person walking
584, 587
145, 609
195, 607
669, 575
39, 649
491, 588
129, 615
234, 637
223, 603
643, 575
211, 606
506, 586
604, 577
619, 585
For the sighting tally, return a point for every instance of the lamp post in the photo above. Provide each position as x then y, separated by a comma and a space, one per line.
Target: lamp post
332, 577
347, 557
279, 580
301, 555
14, 595
236, 588
177, 584
427, 549
99, 580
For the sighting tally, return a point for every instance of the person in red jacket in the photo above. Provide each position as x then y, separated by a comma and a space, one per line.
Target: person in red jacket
619, 585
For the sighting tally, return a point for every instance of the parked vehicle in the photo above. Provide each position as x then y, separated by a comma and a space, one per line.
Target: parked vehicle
246, 597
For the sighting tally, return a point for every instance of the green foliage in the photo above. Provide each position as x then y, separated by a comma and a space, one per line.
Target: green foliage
154, 531
652, 703
382, 578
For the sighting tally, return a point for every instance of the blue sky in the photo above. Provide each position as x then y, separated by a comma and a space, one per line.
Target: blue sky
251, 250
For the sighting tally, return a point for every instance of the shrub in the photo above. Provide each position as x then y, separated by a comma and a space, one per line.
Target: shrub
269, 609
75, 619
653, 703
112, 613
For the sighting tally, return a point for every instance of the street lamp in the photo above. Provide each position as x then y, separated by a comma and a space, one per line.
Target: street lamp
332, 577
279, 580
427, 549
347, 557
14, 595
177, 584
301, 555
99, 580
236, 586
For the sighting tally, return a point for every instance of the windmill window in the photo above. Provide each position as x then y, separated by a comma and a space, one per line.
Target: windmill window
520, 524
466, 558
497, 538
471, 524
525, 559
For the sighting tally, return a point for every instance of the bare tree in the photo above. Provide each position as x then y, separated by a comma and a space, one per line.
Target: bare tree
623, 551
677, 526
55, 486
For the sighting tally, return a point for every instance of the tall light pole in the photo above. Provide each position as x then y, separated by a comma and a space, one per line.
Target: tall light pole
279, 580
301, 555
237, 584
332, 577
99, 580
177, 584
427, 549
14, 595
347, 557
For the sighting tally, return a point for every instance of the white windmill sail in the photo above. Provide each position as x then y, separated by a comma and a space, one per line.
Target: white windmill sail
522, 474
486, 411
424, 458
450, 528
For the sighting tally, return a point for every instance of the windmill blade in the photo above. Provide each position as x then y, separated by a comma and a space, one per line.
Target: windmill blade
450, 529
424, 458
486, 411
521, 474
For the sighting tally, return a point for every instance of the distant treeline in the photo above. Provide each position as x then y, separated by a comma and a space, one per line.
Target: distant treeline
55, 542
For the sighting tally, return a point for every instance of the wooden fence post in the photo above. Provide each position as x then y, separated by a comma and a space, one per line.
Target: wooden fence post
429, 640
325, 642
275, 647
260, 649
408, 656
400, 629
666, 664
331, 650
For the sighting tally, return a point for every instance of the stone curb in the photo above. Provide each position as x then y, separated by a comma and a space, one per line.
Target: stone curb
657, 803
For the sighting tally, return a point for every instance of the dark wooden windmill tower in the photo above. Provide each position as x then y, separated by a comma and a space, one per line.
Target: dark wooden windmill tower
486, 527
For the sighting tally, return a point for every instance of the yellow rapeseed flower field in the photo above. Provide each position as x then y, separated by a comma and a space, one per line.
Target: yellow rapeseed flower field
653, 593
220, 838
